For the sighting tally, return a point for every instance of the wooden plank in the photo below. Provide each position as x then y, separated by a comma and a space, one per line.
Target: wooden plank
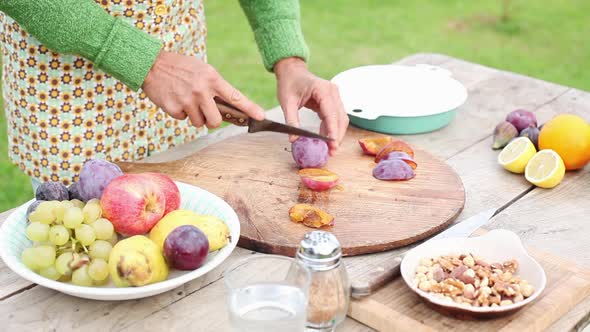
44, 309
202, 311
556, 220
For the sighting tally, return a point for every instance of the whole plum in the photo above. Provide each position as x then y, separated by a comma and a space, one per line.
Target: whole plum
310, 152
186, 247
522, 119
74, 191
32, 207
52, 191
95, 176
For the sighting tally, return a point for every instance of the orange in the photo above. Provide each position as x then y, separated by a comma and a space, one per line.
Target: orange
569, 136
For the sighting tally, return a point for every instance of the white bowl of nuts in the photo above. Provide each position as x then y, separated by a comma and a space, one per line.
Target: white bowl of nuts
480, 277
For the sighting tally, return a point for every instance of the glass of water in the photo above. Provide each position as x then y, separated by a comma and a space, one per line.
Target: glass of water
267, 293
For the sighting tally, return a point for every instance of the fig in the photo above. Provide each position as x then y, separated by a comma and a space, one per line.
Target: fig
522, 119
372, 145
393, 146
402, 156
393, 170
310, 216
32, 207
503, 133
74, 191
310, 152
533, 134
318, 179
52, 191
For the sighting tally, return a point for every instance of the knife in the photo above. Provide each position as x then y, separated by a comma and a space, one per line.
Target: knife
368, 283
233, 115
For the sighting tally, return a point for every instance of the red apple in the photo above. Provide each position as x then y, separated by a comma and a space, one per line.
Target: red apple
133, 204
169, 189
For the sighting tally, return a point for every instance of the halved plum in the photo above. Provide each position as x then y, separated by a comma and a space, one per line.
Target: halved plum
397, 145
393, 170
372, 145
402, 156
310, 216
318, 179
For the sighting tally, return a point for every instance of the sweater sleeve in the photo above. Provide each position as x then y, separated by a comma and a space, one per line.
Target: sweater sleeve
277, 29
84, 28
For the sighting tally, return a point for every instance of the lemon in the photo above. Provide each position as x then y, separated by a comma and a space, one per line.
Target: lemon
546, 169
515, 156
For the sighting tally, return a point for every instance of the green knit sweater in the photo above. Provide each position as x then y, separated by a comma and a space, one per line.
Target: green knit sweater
82, 27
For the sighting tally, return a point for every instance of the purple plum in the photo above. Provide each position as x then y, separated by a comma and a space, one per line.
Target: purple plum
95, 176
393, 170
310, 152
186, 247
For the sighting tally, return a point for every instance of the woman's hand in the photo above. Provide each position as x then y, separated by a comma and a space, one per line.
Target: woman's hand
297, 87
185, 86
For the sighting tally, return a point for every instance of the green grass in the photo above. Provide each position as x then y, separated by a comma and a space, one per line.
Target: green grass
544, 39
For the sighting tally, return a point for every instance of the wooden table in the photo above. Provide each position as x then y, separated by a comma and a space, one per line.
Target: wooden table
553, 220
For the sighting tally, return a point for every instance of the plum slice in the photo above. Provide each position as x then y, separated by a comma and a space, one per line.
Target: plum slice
393, 170
372, 145
402, 156
318, 179
310, 216
397, 145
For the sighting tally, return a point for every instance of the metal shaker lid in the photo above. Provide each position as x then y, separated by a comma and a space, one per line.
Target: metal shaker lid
320, 250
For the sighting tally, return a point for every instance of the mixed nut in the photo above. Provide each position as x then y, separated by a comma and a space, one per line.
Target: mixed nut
470, 281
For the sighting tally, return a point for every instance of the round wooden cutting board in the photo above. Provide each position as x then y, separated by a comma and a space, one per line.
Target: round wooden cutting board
257, 176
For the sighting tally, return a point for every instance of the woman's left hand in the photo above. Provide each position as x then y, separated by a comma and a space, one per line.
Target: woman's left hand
297, 87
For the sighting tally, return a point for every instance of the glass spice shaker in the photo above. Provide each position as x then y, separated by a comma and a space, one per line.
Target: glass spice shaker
329, 292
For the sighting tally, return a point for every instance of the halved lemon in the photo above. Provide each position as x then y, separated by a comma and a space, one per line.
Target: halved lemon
515, 156
546, 169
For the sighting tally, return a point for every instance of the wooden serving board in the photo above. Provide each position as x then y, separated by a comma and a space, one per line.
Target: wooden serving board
256, 175
397, 308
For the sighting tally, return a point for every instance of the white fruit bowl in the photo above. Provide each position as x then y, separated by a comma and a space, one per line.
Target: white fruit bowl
13, 241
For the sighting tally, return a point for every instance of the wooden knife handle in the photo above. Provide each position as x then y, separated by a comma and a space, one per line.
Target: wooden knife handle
368, 283
231, 114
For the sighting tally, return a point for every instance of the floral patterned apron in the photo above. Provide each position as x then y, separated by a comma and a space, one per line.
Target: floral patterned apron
62, 111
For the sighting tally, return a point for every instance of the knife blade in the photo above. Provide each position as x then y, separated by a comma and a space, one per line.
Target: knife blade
233, 115
368, 283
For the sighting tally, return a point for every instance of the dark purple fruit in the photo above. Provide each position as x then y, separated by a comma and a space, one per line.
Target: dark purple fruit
95, 176
186, 248
522, 119
32, 207
310, 152
533, 134
52, 191
74, 191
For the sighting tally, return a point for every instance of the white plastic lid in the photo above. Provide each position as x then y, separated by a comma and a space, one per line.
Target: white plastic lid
400, 91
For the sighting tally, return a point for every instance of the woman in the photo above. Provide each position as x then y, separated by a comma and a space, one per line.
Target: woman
116, 79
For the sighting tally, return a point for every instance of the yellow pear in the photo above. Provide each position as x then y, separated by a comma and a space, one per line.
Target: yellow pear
137, 261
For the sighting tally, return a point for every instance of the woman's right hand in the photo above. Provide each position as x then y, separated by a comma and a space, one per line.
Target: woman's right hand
185, 86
